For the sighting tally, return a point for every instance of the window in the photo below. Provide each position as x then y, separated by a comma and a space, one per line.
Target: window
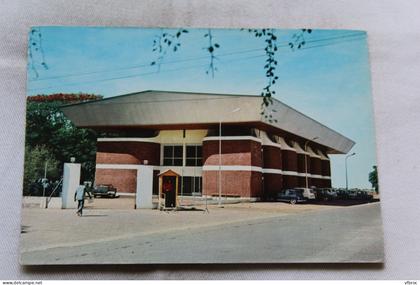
172, 155
194, 156
191, 185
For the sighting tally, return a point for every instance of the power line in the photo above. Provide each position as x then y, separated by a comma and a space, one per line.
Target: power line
189, 59
177, 69
140, 74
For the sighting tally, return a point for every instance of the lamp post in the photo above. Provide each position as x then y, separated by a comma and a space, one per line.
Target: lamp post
347, 182
220, 156
306, 161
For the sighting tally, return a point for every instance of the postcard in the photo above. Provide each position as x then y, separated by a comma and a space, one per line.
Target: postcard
192, 146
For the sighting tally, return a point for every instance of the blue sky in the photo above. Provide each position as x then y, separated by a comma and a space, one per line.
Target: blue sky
329, 80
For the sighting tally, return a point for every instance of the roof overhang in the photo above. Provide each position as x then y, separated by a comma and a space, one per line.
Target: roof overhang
169, 110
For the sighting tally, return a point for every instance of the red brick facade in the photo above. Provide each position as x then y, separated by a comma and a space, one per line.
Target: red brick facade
234, 152
125, 180
128, 153
272, 157
234, 183
246, 177
273, 182
290, 161
316, 167
245, 153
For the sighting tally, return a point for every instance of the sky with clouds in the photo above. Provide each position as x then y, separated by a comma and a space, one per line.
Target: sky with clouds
328, 80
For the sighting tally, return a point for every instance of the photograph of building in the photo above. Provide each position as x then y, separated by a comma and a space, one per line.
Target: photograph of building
199, 146
180, 131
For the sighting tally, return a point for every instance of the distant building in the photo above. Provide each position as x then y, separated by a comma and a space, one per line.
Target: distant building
263, 147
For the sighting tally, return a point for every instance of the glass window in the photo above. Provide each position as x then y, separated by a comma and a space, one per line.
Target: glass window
194, 155
191, 185
172, 155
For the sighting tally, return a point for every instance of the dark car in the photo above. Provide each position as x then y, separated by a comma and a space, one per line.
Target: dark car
342, 194
364, 195
104, 190
325, 194
292, 196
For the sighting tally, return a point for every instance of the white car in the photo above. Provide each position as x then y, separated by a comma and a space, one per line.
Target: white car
308, 193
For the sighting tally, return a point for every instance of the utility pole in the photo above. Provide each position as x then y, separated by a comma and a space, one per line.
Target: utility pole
347, 182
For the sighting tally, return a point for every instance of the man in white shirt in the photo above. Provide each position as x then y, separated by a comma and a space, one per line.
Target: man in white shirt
79, 195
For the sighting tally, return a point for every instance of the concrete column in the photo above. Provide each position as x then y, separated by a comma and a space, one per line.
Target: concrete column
144, 189
71, 180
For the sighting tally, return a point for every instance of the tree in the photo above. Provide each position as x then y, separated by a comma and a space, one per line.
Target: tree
373, 178
39, 161
47, 129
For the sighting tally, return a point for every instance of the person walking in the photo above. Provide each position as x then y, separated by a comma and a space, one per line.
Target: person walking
79, 195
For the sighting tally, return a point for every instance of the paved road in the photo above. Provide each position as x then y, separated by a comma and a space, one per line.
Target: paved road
334, 235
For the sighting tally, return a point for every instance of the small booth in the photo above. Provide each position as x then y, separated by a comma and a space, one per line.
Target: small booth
168, 190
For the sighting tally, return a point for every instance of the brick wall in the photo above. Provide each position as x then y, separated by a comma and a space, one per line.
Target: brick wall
289, 158
241, 183
125, 180
235, 153
127, 153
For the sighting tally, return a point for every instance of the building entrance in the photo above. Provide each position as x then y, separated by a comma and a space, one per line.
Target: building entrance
168, 189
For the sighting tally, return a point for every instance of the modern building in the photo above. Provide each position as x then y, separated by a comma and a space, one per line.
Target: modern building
263, 148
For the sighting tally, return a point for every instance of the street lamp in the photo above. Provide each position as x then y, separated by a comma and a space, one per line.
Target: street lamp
220, 156
347, 156
306, 161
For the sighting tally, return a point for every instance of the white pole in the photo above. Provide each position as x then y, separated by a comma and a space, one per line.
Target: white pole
45, 177
45, 169
347, 183
306, 165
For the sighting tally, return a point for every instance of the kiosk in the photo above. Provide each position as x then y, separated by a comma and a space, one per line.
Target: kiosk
168, 190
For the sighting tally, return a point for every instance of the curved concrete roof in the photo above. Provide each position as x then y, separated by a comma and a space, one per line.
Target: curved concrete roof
165, 108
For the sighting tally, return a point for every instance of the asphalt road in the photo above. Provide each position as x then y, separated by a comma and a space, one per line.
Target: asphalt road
351, 234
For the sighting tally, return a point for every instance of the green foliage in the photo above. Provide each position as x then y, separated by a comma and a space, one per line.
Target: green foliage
373, 178
35, 161
47, 128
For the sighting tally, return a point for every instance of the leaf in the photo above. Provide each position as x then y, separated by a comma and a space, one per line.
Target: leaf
211, 49
178, 34
153, 63
216, 45
309, 31
185, 31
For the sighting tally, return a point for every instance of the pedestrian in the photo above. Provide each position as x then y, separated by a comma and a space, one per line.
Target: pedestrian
79, 195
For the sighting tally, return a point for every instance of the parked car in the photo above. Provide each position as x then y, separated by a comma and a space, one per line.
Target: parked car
364, 195
104, 190
352, 194
308, 193
342, 194
292, 196
325, 194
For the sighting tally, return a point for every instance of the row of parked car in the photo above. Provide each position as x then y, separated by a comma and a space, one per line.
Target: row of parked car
299, 195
